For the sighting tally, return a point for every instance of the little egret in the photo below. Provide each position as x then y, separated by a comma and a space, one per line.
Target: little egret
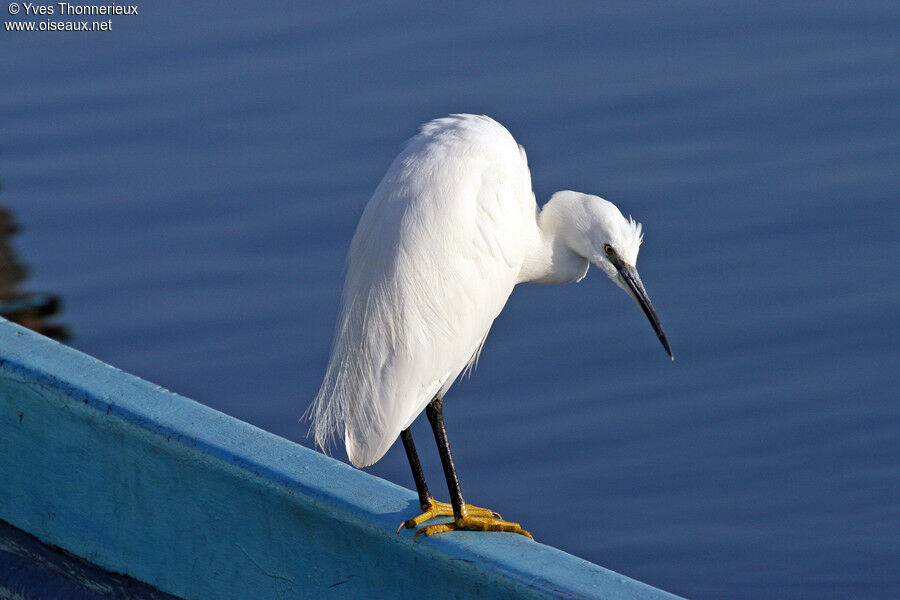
447, 235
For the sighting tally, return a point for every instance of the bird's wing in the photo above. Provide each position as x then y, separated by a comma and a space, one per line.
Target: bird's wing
433, 261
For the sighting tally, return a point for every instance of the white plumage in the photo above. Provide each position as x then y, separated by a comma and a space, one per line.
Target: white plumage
448, 233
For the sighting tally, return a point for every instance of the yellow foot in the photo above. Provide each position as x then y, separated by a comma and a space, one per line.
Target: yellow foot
477, 523
442, 509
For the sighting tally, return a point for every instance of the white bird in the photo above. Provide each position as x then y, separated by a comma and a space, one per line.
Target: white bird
447, 235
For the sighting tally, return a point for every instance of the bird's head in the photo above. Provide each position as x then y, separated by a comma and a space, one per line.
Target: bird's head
600, 233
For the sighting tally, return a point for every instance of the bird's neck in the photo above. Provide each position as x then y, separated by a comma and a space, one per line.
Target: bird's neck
550, 257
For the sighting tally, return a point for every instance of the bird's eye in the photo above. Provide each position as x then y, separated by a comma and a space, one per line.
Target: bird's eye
609, 250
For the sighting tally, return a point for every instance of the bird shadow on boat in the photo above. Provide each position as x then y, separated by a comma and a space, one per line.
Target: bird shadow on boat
396, 520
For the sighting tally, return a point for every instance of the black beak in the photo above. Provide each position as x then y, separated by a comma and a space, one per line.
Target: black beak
635, 287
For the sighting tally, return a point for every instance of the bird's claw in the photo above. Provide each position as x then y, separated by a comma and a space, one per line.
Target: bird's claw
476, 523
434, 509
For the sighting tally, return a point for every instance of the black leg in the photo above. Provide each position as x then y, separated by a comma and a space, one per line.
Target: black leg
435, 413
416, 466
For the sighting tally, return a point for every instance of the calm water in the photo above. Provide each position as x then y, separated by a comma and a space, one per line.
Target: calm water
190, 181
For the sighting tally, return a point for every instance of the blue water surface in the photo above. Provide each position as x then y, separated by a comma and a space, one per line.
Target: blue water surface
189, 183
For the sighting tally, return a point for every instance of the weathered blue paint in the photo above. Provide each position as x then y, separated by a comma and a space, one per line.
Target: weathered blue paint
32, 570
141, 481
